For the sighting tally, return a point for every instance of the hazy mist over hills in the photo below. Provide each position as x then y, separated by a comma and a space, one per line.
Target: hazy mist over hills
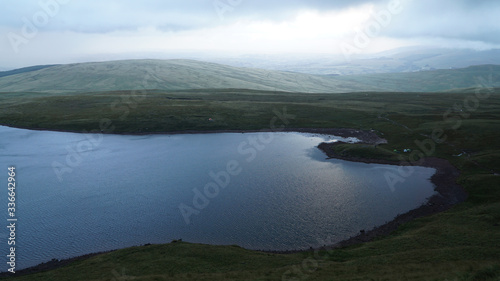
408, 59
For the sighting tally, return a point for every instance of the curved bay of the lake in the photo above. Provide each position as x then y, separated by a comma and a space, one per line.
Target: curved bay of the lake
77, 193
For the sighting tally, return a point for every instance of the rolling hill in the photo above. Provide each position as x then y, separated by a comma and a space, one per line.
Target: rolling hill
174, 75
167, 75
432, 80
23, 70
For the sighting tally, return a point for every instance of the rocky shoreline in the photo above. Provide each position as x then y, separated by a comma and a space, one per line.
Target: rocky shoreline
364, 136
448, 192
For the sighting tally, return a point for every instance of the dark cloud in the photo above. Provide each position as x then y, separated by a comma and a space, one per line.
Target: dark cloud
448, 19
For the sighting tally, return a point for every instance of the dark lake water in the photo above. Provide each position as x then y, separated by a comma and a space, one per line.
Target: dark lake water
78, 193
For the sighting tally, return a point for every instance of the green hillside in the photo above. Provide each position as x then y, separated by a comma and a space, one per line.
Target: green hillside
173, 75
166, 75
23, 70
432, 80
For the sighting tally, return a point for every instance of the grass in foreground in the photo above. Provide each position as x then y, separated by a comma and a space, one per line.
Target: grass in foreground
460, 244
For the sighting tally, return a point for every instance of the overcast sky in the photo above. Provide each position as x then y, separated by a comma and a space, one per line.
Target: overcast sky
64, 31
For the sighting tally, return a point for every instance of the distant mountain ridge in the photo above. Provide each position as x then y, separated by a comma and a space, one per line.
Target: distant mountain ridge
432, 80
172, 75
405, 59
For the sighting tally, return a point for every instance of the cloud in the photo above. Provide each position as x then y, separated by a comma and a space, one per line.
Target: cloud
449, 19
94, 28
472, 19
94, 16
107, 16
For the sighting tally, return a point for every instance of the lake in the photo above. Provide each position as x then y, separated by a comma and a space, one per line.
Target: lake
80, 193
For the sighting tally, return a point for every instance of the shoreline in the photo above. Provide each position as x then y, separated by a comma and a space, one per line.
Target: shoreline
448, 192
363, 135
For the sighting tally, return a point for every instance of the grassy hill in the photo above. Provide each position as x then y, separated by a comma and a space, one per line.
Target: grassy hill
166, 75
23, 70
432, 80
173, 75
